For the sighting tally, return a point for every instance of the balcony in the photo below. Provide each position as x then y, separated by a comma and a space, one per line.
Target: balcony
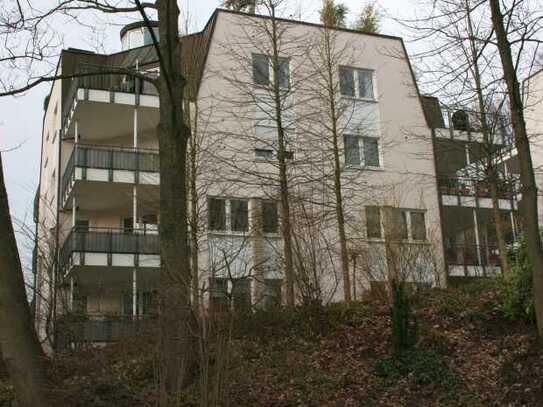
108, 329
463, 191
103, 85
93, 163
467, 125
471, 257
107, 247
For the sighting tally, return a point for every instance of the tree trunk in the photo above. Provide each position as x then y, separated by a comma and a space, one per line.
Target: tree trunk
286, 227
488, 144
498, 221
528, 208
176, 353
340, 216
19, 345
194, 248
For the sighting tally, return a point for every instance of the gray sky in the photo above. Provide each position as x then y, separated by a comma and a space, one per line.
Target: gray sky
21, 117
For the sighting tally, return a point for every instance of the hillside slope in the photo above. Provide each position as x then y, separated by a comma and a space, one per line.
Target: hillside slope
467, 354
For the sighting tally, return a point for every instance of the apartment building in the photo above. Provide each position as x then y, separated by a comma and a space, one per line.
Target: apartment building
407, 165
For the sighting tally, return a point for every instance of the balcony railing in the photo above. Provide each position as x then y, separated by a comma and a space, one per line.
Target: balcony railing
472, 255
109, 158
108, 329
102, 77
471, 121
109, 240
465, 186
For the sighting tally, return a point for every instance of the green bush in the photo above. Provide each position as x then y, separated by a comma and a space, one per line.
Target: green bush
7, 394
517, 301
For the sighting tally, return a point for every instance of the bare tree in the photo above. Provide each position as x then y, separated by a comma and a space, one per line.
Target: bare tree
460, 66
21, 351
176, 316
261, 98
332, 120
524, 31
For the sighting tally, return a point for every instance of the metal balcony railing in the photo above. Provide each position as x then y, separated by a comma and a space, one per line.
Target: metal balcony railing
103, 77
109, 329
108, 158
109, 240
472, 255
471, 121
465, 186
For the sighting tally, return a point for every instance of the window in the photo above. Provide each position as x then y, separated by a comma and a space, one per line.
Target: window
270, 221
128, 225
241, 294
365, 84
82, 225
418, 226
219, 294
228, 215
371, 151
284, 73
352, 151
272, 293
262, 68
356, 83
217, 214
399, 225
362, 151
346, 81
405, 224
145, 303
373, 222
263, 153
240, 215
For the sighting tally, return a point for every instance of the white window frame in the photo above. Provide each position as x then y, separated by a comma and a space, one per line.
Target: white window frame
356, 72
228, 216
271, 77
361, 152
408, 213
